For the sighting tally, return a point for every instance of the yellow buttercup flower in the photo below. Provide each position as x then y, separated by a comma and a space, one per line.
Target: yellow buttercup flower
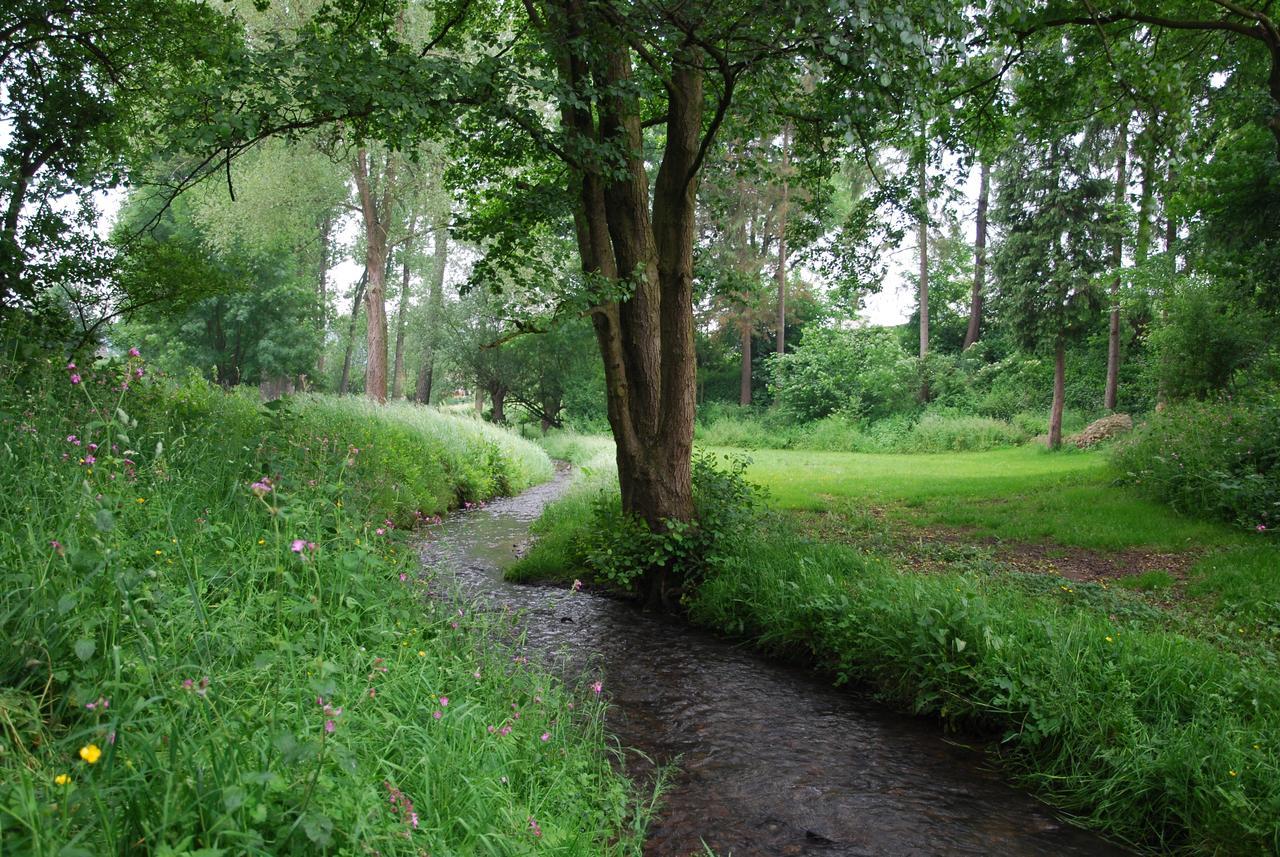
62, 779
91, 753
141, 500
421, 654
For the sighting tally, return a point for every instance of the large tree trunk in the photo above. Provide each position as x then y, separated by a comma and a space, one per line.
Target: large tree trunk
356, 299
376, 200
397, 372
646, 341
1059, 393
435, 309
782, 241
744, 385
1117, 259
979, 257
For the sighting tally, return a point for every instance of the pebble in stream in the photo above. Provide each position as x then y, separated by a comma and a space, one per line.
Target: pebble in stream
771, 761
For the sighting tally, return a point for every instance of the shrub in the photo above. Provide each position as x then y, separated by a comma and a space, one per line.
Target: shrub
1215, 459
863, 371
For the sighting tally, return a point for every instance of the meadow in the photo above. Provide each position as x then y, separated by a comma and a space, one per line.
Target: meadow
1143, 703
219, 638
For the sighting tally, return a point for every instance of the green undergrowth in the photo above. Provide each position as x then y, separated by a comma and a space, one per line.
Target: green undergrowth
217, 641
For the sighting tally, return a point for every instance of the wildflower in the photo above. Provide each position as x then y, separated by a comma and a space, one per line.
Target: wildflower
262, 541
444, 701
421, 653
159, 552
1232, 773
597, 687
262, 487
372, 693
577, 585
62, 780
75, 379
73, 439
438, 714
140, 500
329, 726
134, 352
71, 367
403, 577
533, 825
57, 547
91, 753
546, 736
380, 531
505, 730
1110, 639
298, 546
1262, 528
90, 460
100, 702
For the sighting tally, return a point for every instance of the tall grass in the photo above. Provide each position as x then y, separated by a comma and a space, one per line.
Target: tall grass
217, 638
1150, 735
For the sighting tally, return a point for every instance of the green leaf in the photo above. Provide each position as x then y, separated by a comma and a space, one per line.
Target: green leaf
85, 649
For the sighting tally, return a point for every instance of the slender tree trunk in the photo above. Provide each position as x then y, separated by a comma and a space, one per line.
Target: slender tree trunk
479, 401
435, 309
1059, 393
356, 299
782, 242
744, 386
979, 257
1117, 259
1170, 245
923, 240
1146, 198
377, 196
397, 373
322, 289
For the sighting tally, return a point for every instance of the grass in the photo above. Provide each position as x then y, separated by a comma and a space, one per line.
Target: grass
199, 660
1155, 721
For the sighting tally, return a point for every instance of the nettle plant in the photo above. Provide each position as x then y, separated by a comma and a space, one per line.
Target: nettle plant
621, 547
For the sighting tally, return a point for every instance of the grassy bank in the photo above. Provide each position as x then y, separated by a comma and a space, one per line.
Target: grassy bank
216, 637
1159, 724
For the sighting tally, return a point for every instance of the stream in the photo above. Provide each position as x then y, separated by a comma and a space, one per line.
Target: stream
771, 760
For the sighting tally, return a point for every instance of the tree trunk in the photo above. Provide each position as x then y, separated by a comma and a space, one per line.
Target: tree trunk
923, 240
397, 372
435, 309
498, 395
1117, 259
782, 243
979, 257
356, 299
376, 201
479, 402
744, 386
1142, 238
322, 290
1059, 393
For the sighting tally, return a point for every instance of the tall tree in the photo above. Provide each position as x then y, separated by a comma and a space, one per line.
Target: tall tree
1117, 260
979, 255
375, 179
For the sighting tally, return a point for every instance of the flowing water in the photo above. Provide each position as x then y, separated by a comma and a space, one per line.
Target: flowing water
771, 760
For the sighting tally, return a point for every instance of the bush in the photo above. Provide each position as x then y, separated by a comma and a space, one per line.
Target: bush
1213, 459
864, 372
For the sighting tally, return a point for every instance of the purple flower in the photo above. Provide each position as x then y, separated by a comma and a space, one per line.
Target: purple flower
438, 714
73, 439
329, 726
71, 367
1262, 528
75, 379
597, 687
298, 546
444, 701
546, 736
134, 352
89, 459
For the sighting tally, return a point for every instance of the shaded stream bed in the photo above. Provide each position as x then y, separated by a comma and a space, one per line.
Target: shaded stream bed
771, 760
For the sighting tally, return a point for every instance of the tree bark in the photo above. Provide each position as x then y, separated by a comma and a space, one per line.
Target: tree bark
357, 297
979, 257
782, 241
435, 308
1059, 393
322, 289
744, 385
479, 402
377, 197
923, 240
1117, 259
397, 372
498, 396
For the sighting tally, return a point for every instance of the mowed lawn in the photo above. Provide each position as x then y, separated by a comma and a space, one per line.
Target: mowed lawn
1018, 494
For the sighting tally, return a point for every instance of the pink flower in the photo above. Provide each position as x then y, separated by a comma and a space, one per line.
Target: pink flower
546, 736
1262, 528
89, 459
577, 585
297, 546
380, 531
75, 379
597, 687
329, 726
533, 825
438, 714
444, 701
134, 352
71, 367
403, 577
73, 439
